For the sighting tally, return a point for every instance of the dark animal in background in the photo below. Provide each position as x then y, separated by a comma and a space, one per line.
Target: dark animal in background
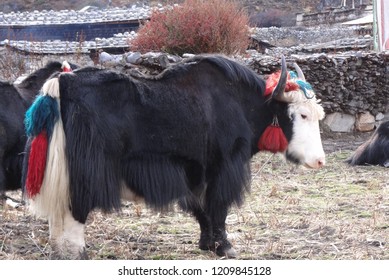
14, 102
185, 135
375, 151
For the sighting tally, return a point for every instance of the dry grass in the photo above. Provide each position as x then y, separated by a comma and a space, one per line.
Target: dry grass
339, 212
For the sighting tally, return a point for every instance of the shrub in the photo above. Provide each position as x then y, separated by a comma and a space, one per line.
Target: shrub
196, 26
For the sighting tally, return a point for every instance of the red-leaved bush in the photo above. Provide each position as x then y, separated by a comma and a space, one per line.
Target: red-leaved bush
196, 26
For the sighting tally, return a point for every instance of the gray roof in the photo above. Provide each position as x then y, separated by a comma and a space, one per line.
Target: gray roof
71, 16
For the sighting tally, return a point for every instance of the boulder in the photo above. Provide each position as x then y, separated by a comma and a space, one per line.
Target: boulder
339, 122
365, 122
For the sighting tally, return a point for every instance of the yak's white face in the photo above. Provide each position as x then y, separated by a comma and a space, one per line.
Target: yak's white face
304, 110
305, 146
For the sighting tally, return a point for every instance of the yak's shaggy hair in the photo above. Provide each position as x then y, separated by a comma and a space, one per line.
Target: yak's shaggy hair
375, 151
185, 135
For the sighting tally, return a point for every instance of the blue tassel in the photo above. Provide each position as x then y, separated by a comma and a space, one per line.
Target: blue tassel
42, 115
304, 86
293, 75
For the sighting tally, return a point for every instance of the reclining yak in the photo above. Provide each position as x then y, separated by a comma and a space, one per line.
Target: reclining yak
375, 151
14, 102
185, 135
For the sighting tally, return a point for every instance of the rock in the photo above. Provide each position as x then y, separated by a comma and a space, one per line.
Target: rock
379, 117
163, 61
134, 58
105, 57
365, 122
339, 122
386, 117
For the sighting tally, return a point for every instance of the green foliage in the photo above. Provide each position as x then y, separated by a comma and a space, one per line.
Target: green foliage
196, 26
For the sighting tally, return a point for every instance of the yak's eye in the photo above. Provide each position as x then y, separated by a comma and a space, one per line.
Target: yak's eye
303, 116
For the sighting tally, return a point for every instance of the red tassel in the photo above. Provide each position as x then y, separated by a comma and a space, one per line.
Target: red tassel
66, 67
36, 164
273, 139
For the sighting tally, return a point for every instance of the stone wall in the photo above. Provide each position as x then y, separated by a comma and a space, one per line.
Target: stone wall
330, 16
353, 87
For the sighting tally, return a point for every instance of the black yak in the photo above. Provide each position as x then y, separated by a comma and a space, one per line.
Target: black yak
375, 151
186, 135
15, 98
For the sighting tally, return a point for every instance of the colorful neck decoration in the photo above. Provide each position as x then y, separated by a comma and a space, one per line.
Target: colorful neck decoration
273, 138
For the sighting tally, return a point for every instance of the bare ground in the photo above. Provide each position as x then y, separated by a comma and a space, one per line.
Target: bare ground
339, 212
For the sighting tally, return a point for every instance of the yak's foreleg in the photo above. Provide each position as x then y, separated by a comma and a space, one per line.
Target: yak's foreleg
213, 234
226, 187
67, 238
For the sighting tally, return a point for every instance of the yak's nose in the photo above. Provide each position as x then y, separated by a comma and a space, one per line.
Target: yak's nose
316, 164
321, 162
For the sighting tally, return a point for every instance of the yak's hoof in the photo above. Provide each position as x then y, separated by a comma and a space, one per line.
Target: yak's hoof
226, 251
84, 255
223, 250
56, 254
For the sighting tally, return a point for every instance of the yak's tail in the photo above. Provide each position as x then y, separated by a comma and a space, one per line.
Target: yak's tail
46, 176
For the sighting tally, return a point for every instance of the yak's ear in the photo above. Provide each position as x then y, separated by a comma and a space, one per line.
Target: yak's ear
27, 82
279, 90
27, 88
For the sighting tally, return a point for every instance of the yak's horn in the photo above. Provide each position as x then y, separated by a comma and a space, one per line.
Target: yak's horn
280, 88
300, 73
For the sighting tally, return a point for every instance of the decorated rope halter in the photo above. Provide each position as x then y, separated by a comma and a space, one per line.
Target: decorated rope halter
273, 138
39, 124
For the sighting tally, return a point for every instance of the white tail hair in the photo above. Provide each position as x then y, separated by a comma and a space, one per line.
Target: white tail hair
53, 198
